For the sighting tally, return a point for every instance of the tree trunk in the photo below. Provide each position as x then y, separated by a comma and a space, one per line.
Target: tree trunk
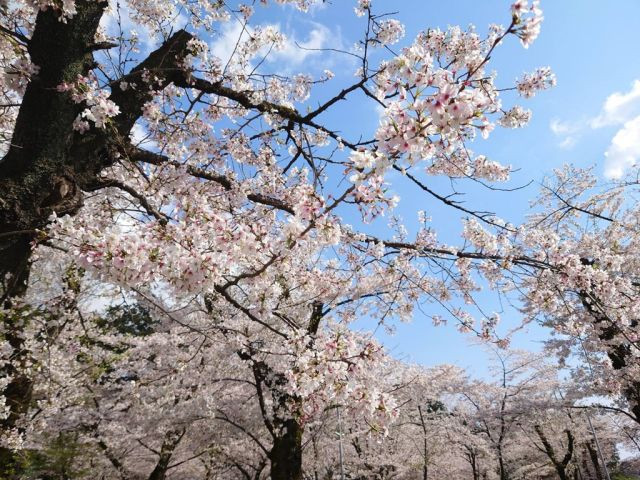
425, 451
618, 354
286, 453
32, 173
472, 459
593, 455
559, 465
48, 163
171, 441
36, 176
504, 475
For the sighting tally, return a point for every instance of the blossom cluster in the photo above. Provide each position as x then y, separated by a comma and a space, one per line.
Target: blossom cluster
433, 111
389, 32
17, 75
339, 371
528, 19
99, 107
530, 83
363, 7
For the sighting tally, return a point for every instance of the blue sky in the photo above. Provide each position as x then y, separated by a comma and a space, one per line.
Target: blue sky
592, 48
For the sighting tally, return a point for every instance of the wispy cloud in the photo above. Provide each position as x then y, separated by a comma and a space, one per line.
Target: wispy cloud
294, 52
568, 132
620, 109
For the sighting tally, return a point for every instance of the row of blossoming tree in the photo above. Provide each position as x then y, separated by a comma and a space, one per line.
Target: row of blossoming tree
178, 282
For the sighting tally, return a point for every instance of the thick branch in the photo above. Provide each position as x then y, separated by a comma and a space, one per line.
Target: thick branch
136, 154
164, 64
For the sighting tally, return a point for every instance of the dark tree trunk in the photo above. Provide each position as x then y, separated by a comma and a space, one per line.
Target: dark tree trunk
286, 453
503, 472
559, 464
474, 469
425, 451
171, 441
472, 458
617, 353
593, 455
48, 164
36, 175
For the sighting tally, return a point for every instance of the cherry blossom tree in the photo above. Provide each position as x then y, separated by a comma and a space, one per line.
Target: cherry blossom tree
589, 291
450, 425
527, 416
418, 443
224, 224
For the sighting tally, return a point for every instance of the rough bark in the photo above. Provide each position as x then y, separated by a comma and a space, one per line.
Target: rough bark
286, 453
171, 441
593, 455
48, 164
618, 353
35, 175
559, 464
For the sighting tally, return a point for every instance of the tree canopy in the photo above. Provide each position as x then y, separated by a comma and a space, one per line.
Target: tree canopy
186, 242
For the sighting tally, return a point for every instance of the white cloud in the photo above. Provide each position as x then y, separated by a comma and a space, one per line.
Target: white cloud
619, 108
558, 127
569, 132
624, 150
231, 33
140, 137
293, 53
568, 143
562, 128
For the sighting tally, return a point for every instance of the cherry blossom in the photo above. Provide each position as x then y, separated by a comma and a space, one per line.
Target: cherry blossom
194, 284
